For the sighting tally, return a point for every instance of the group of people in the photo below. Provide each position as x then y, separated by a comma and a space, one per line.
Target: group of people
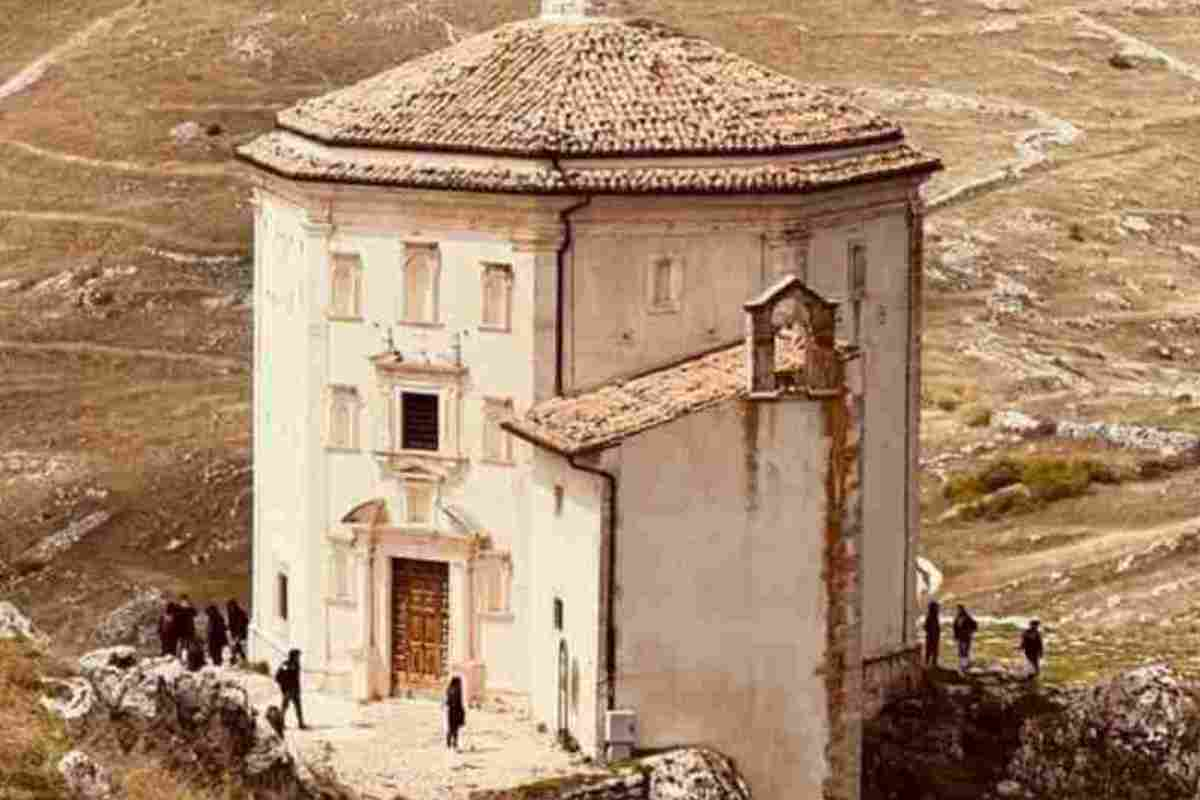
965, 627
177, 633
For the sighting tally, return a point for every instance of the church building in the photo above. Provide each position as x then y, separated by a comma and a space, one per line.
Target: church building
587, 368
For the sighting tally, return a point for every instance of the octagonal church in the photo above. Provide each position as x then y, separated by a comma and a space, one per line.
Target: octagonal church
587, 369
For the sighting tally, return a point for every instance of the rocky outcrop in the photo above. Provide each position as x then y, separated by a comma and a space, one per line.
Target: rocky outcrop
15, 625
1136, 736
996, 734
85, 779
134, 623
692, 773
200, 722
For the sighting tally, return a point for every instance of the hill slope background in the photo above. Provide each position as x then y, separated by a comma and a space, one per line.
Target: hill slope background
1063, 267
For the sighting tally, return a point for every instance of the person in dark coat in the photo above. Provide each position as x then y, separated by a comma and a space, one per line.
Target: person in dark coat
456, 712
239, 629
168, 629
964, 630
1031, 644
194, 655
185, 626
933, 633
218, 635
288, 678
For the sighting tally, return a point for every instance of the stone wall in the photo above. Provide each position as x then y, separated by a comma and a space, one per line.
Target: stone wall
889, 677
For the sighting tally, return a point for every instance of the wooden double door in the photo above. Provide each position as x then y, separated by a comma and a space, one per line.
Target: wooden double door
420, 623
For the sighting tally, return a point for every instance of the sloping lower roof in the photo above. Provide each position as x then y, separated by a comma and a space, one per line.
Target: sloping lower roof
609, 415
599, 87
290, 156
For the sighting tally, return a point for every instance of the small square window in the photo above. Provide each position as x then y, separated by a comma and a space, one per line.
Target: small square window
497, 297
419, 413
281, 595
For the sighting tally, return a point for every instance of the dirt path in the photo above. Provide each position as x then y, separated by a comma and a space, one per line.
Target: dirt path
161, 232
1031, 145
996, 573
166, 168
32, 73
124, 352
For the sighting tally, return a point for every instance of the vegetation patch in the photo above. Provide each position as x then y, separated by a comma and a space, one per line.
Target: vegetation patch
1045, 479
31, 740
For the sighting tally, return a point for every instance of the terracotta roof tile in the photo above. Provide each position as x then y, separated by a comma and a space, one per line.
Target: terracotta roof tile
608, 415
293, 157
595, 88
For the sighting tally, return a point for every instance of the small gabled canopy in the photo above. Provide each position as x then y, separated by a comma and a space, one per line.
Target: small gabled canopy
370, 512
785, 287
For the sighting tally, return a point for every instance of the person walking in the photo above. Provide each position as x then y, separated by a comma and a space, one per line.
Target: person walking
239, 629
168, 629
456, 712
185, 626
288, 678
194, 655
964, 629
218, 634
1031, 644
933, 633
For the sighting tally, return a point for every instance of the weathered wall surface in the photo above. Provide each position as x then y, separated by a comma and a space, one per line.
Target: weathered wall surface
565, 563
884, 336
721, 601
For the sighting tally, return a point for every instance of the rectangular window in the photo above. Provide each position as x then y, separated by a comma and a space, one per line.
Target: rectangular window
559, 495
497, 444
346, 289
421, 268
420, 421
558, 614
497, 297
664, 289
418, 503
282, 595
858, 268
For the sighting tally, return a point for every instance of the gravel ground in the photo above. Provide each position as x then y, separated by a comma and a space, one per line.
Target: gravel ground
397, 746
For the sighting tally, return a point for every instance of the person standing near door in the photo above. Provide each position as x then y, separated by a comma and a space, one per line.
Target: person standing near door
456, 712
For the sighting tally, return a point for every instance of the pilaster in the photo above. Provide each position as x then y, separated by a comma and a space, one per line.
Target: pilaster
535, 262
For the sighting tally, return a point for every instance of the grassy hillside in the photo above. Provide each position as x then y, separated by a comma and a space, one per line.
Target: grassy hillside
1063, 282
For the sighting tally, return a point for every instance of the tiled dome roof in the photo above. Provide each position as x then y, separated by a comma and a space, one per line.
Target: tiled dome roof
602, 87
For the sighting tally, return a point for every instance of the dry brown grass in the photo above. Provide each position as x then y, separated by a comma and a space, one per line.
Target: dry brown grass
31, 741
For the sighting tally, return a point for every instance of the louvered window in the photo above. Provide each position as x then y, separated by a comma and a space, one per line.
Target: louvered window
420, 421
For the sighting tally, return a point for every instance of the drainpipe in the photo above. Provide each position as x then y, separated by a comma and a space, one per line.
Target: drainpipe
560, 300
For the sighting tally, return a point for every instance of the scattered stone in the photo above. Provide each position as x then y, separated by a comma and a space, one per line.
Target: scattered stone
1135, 224
13, 285
186, 132
42, 553
694, 774
1190, 251
15, 625
71, 699
173, 545
85, 779
213, 129
1131, 57
1005, 6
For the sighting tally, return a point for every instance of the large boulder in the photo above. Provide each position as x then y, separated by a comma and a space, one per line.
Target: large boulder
694, 774
71, 699
1136, 736
15, 625
134, 623
85, 779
